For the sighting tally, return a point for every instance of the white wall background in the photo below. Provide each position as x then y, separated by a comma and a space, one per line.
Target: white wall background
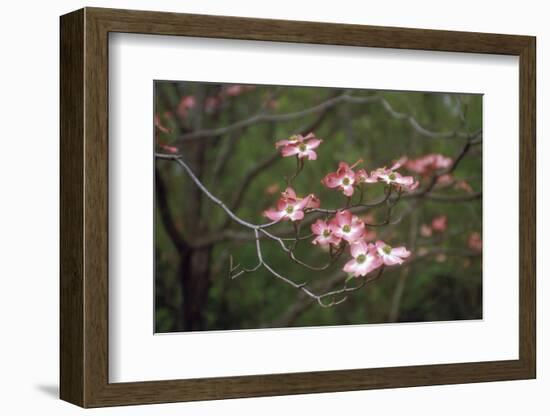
29, 85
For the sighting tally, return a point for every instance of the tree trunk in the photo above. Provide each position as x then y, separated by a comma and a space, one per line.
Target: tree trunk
195, 281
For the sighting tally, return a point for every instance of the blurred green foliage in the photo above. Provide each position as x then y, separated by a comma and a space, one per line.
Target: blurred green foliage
436, 288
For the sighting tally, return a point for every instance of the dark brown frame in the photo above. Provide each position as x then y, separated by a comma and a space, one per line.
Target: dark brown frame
84, 209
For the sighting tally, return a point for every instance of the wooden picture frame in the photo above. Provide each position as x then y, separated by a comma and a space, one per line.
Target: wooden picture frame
84, 207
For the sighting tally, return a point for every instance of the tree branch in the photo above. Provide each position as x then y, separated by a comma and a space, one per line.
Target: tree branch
261, 228
325, 105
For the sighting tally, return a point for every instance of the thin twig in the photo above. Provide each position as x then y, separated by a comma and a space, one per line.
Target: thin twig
331, 102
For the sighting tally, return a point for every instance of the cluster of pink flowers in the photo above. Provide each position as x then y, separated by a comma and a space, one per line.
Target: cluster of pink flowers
368, 257
429, 163
346, 179
211, 103
291, 207
438, 224
344, 227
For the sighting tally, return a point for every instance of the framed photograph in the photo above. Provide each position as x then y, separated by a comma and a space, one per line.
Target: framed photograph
262, 207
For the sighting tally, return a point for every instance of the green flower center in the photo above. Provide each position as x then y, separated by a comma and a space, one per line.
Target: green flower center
387, 249
293, 138
346, 228
346, 181
289, 209
361, 258
392, 176
302, 147
326, 233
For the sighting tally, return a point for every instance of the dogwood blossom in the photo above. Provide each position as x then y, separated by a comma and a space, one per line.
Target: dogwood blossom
361, 176
390, 177
186, 103
426, 164
445, 180
440, 223
391, 255
365, 259
313, 201
300, 146
343, 179
324, 234
347, 226
289, 207
474, 242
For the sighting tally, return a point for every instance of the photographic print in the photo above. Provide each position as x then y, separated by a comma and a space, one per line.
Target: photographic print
290, 206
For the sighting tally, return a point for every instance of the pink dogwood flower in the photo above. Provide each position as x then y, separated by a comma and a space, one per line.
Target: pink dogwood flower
347, 226
445, 180
391, 255
300, 146
474, 242
186, 103
289, 207
324, 234
399, 162
365, 259
343, 179
390, 177
361, 176
426, 164
313, 201
440, 223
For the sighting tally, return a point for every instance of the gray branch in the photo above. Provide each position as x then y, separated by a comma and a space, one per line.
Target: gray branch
325, 105
261, 228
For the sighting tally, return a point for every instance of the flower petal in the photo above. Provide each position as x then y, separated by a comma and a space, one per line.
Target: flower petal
314, 202
274, 215
351, 267
343, 218
401, 252
348, 190
359, 247
296, 215
289, 193
302, 203
313, 143
309, 154
289, 150
318, 227
398, 163
332, 180
391, 260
